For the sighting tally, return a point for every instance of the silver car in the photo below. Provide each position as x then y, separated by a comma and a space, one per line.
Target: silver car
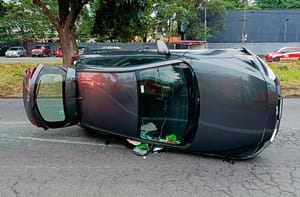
15, 52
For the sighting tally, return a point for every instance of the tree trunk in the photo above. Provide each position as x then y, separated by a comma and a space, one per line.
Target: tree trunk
68, 45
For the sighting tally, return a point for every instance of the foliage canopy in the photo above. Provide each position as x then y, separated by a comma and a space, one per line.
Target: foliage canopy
120, 20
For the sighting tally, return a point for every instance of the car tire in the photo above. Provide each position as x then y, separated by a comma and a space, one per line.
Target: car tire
276, 59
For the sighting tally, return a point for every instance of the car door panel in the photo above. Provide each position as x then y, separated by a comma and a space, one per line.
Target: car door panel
123, 101
108, 101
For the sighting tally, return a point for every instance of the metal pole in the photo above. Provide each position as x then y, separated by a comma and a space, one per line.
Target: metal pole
244, 34
205, 24
285, 29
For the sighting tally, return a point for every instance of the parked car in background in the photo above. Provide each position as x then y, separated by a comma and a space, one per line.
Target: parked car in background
221, 102
59, 52
15, 51
41, 51
285, 53
3, 49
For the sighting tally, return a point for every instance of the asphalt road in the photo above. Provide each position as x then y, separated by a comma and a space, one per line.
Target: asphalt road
76, 162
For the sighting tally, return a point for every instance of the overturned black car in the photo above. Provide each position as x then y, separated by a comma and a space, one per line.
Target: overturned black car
221, 102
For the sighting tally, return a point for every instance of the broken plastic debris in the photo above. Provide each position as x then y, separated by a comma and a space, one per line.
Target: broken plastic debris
133, 142
141, 149
157, 149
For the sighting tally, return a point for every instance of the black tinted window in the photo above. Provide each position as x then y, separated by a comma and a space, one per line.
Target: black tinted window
163, 103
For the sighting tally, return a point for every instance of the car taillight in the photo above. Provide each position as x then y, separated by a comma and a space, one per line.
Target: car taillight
35, 122
30, 72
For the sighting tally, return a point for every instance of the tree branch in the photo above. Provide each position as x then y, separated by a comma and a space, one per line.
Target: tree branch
47, 13
76, 7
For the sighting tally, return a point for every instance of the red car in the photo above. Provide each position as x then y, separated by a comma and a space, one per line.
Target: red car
59, 52
285, 53
41, 51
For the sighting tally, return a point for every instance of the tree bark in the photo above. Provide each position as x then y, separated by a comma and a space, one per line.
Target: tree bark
68, 45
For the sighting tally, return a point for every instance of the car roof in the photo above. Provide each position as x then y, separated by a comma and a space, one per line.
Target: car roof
16, 47
125, 58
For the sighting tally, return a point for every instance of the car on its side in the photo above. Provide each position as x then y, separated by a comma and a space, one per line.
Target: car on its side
16, 51
41, 51
218, 102
285, 53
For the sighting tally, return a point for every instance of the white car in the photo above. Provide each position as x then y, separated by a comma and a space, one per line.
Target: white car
15, 52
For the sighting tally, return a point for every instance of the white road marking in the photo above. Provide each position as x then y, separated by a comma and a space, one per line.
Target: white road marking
14, 123
68, 142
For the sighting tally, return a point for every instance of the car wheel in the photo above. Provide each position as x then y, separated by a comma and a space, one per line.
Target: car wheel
276, 59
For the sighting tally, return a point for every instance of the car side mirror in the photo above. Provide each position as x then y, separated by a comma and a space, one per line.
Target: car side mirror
162, 48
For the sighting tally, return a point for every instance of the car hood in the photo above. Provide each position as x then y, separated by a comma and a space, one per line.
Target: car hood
12, 51
36, 50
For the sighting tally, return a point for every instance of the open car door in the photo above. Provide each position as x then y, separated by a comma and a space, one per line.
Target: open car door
49, 96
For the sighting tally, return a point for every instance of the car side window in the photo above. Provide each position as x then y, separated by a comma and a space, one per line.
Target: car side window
163, 103
297, 50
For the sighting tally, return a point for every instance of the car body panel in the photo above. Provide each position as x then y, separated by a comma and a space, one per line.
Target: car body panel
239, 96
104, 97
217, 102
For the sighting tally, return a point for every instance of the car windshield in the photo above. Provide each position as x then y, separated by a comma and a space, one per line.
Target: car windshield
14, 49
38, 47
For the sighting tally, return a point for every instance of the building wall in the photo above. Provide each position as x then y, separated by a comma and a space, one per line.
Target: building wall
262, 26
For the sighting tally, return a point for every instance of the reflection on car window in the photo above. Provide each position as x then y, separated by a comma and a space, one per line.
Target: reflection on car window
133, 61
120, 61
163, 104
99, 62
50, 98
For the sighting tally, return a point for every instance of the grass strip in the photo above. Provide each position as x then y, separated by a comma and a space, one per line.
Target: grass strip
11, 77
